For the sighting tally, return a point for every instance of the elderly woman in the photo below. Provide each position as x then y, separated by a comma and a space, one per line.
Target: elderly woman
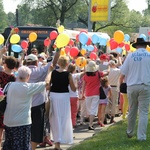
60, 117
17, 116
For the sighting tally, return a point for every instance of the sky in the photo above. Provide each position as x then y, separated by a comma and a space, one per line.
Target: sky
138, 5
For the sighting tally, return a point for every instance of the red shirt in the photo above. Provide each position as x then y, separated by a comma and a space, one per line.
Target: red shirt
92, 84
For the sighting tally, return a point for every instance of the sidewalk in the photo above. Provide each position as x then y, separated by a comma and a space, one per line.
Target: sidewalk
81, 133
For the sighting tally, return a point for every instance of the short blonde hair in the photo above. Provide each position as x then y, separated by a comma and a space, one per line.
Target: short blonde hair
63, 61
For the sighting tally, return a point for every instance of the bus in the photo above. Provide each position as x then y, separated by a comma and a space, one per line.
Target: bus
42, 33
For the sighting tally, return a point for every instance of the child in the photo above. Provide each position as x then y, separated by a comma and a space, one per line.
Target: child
103, 102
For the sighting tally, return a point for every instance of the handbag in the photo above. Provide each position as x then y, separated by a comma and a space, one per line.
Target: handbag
102, 93
3, 103
123, 88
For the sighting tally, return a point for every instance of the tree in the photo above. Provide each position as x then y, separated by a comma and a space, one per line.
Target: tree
3, 17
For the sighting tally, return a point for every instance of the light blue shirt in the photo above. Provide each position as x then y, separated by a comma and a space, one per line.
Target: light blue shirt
136, 67
37, 75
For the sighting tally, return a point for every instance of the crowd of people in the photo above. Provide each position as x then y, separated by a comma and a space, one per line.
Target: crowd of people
46, 97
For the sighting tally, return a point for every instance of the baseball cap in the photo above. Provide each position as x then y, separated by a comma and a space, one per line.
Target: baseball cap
31, 58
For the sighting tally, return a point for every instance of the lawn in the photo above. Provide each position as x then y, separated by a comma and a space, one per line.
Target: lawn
114, 138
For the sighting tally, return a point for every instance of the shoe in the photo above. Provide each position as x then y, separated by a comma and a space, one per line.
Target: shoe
101, 124
108, 116
47, 141
42, 144
129, 136
91, 128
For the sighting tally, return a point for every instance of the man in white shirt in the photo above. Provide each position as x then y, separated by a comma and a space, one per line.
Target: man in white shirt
136, 69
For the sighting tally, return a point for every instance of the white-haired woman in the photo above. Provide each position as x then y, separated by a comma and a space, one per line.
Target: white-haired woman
17, 116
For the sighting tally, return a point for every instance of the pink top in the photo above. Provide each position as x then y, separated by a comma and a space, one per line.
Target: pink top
92, 84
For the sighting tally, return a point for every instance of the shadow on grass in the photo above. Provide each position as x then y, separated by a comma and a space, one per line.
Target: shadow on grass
113, 138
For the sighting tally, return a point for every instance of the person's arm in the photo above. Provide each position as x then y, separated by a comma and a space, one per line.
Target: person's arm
83, 89
72, 86
57, 54
2, 52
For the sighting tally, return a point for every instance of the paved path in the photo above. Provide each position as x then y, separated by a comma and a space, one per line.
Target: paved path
81, 133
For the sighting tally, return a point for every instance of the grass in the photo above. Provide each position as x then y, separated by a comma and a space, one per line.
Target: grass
114, 138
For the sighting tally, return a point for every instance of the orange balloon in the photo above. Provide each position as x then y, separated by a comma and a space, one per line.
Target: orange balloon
62, 52
32, 37
81, 62
148, 48
83, 52
118, 36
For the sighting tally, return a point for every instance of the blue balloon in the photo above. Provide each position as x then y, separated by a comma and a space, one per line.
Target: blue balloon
90, 48
143, 36
16, 48
103, 42
83, 38
126, 37
119, 50
84, 47
95, 38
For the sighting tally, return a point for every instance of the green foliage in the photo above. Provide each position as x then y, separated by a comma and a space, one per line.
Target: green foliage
3, 17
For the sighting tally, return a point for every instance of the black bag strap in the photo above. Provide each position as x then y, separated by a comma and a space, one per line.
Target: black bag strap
5, 90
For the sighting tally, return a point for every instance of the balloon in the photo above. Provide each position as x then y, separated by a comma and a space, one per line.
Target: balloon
77, 37
132, 49
93, 56
90, 47
113, 45
119, 50
103, 42
24, 44
148, 48
71, 43
83, 31
148, 32
62, 40
60, 29
126, 37
67, 49
118, 36
81, 62
95, 49
14, 39
74, 51
16, 48
62, 52
47, 42
1, 39
89, 42
108, 43
143, 36
32, 37
53, 35
95, 38
127, 47
84, 47
121, 44
83, 38
83, 52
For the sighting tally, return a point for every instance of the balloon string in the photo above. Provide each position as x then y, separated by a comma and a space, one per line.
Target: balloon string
6, 43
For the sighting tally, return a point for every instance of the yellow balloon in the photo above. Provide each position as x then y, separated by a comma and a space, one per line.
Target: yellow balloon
83, 52
108, 43
62, 52
32, 37
148, 48
118, 36
62, 40
1, 39
60, 29
14, 39
132, 49
81, 62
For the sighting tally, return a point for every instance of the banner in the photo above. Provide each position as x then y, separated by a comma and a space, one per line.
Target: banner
100, 10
